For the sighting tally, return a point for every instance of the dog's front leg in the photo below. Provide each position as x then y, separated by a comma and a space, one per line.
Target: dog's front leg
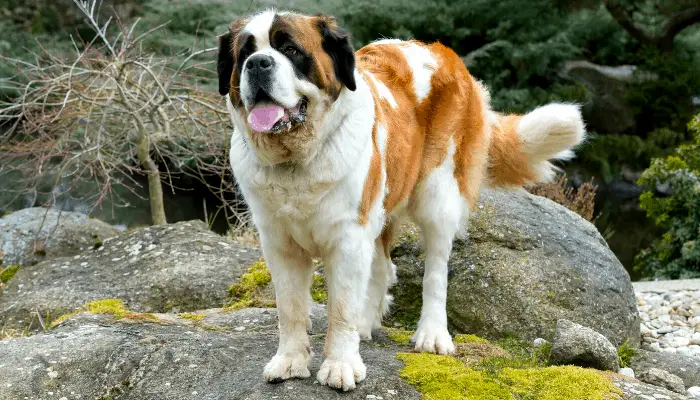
292, 271
348, 267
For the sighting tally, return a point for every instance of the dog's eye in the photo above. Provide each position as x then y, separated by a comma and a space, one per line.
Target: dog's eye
290, 51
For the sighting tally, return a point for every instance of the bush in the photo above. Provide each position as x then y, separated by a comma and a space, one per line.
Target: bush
677, 253
581, 200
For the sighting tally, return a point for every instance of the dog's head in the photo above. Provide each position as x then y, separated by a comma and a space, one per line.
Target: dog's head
282, 72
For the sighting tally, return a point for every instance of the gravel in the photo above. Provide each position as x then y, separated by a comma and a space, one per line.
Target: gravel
670, 319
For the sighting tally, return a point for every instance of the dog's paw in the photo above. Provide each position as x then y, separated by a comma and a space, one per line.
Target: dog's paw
342, 374
283, 367
433, 338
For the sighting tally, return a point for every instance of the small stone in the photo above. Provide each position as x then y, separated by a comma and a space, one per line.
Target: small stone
539, 342
694, 392
658, 377
576, 344
626, 372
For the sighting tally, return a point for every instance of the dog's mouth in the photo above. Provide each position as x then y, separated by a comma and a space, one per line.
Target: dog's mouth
268, 117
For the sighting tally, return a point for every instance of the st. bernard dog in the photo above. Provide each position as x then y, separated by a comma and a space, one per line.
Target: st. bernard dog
330, 146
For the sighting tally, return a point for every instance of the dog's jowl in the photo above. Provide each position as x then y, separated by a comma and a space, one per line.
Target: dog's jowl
331, 147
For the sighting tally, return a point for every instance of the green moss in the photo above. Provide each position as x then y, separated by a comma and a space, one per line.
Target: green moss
8, 273
318, 289
399, 335
193, 317
443, 377
114, 307
469, 339
625, 353
246, 293
65, 317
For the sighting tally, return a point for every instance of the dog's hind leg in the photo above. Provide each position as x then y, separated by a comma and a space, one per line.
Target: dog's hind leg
292, 271
383, 276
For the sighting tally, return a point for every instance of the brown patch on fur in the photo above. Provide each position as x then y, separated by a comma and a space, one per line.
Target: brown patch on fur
419, 133
235, 30
303, 31
508, 165
373, 181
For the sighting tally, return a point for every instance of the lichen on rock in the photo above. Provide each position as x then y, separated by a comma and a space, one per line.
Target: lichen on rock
483, 371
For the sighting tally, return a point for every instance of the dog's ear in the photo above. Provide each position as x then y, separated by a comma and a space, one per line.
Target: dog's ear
224, 62
336, 42
226, 58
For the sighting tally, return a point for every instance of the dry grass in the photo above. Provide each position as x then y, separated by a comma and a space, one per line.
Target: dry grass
581, 200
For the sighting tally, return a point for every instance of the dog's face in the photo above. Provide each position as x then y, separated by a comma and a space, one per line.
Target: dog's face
282, 72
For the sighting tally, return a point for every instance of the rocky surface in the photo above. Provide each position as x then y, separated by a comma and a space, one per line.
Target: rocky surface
179, 267
219, 357
670, 318
687, 368
528, 262
33, 234
661, 378
636, 390
210, 354
578, 345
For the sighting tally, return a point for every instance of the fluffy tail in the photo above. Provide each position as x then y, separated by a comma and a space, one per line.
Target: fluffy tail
522, 145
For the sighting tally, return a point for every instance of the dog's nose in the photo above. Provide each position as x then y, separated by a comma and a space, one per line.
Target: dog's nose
260, 62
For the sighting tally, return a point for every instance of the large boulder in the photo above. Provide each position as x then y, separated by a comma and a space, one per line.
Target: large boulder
32, 234
177, 267
528, 263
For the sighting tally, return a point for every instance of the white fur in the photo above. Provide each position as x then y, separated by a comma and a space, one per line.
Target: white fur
388, 41
422, 64
549, 132
438, 209
383, 91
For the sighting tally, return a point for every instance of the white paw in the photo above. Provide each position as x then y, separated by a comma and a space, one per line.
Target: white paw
342, 374
283, 367
433, 338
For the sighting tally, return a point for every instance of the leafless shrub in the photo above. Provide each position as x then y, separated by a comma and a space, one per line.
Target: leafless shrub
581, 200
113, 112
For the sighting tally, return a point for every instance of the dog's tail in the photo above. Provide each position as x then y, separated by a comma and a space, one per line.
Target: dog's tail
523, 145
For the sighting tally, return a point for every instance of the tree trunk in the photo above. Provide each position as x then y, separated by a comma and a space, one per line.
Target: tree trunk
155, 189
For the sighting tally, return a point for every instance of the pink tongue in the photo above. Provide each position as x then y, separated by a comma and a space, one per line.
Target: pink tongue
262, 119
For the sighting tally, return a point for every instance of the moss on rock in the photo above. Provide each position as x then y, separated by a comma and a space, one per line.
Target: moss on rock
247, 292
113, 307
318, 289
443, 377
481, 370
7, 273
399, 335
192, 317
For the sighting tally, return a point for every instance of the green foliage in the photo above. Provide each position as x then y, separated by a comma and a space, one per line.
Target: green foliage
677, 253
625, 353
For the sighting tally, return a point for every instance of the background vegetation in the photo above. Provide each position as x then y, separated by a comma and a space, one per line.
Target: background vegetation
528, 53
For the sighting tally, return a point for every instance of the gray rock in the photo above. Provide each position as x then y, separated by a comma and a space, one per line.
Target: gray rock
659, 377
175, 359
54, 233
528, 262
687, 368
179, 267
607, 110
635, 390
578, 345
